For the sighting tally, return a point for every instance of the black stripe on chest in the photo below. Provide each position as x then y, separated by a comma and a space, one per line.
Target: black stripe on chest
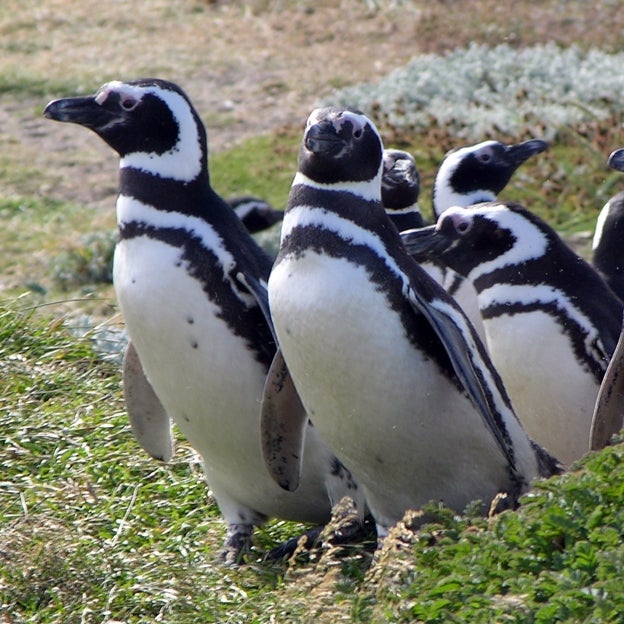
418, 331
571, 277
203, 265
576, 334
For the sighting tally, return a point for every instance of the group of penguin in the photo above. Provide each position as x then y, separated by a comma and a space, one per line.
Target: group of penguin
346, 366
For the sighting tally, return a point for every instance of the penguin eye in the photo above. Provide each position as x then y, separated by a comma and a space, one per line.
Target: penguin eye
485, 157
357, 133
128, 103
462, 227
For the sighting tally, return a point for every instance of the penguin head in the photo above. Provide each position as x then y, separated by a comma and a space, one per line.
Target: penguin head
400, 182
150, 123
340, 146
616, 159
478, 173
480, 238
255, 213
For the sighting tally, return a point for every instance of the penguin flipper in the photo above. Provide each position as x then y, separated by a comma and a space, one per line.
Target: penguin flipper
261, 295
149, 421
460, 347
282, 424
608, 415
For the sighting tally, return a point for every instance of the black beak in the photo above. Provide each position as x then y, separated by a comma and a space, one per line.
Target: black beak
616, 160
521, 152
322, 138
84, 111
401, 172
426, 242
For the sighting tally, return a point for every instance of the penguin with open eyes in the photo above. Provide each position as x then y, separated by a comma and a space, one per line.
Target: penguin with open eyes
191, 284
551, 322
389, 369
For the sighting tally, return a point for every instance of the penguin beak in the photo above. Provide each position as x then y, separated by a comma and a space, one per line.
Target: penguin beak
521, 152
84, 111
322, 138
616, 160
400, 172
426, 242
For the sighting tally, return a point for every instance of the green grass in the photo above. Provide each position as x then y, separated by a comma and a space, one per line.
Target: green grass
263, 166
92, 530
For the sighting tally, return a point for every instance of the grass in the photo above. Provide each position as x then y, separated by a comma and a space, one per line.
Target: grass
92, 530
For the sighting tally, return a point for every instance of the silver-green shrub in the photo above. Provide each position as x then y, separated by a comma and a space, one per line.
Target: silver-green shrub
478, 91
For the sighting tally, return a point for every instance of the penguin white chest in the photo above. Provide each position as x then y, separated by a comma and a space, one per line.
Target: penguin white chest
203, 373
370, 391
552, 393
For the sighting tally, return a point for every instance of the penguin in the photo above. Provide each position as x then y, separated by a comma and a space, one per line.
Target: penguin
400, 188
472, 174
607, 256
256, 214
388, 367
191, 285
550, 320
608, 417
478, 173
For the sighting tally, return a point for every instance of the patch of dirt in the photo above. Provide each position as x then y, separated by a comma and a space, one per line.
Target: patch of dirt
249, 67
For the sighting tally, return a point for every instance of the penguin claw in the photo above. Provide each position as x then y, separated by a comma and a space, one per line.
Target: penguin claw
345, 527
237, 544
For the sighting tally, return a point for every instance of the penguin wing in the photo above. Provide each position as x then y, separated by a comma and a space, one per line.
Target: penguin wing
458, 338
282, 425
608, 415
259, 291
149, 421
282, 417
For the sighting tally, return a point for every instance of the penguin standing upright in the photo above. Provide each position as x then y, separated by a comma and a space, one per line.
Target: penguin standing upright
607, 255
190, 282
389, 369
551, 321
608, 415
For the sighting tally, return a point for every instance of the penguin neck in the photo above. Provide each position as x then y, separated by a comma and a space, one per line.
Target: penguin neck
528, 269
189, 197
444, 197
564, 271
349, 209
406, 218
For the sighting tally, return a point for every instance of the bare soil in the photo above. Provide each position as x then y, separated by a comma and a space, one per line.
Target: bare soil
250, 67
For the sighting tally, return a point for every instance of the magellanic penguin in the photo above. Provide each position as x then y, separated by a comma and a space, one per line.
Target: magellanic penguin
608, 417
191, 284
551, 321
469, 175
607, 249
400, 188
389, 369
478, 173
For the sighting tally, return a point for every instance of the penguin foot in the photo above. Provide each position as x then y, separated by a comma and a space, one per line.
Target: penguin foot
237, 543
305, 541
345, 527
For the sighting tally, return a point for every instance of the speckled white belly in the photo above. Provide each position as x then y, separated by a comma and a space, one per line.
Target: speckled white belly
208, 382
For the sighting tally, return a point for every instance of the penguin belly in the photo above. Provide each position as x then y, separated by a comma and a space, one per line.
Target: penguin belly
210, 383
389, 413
552, 393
